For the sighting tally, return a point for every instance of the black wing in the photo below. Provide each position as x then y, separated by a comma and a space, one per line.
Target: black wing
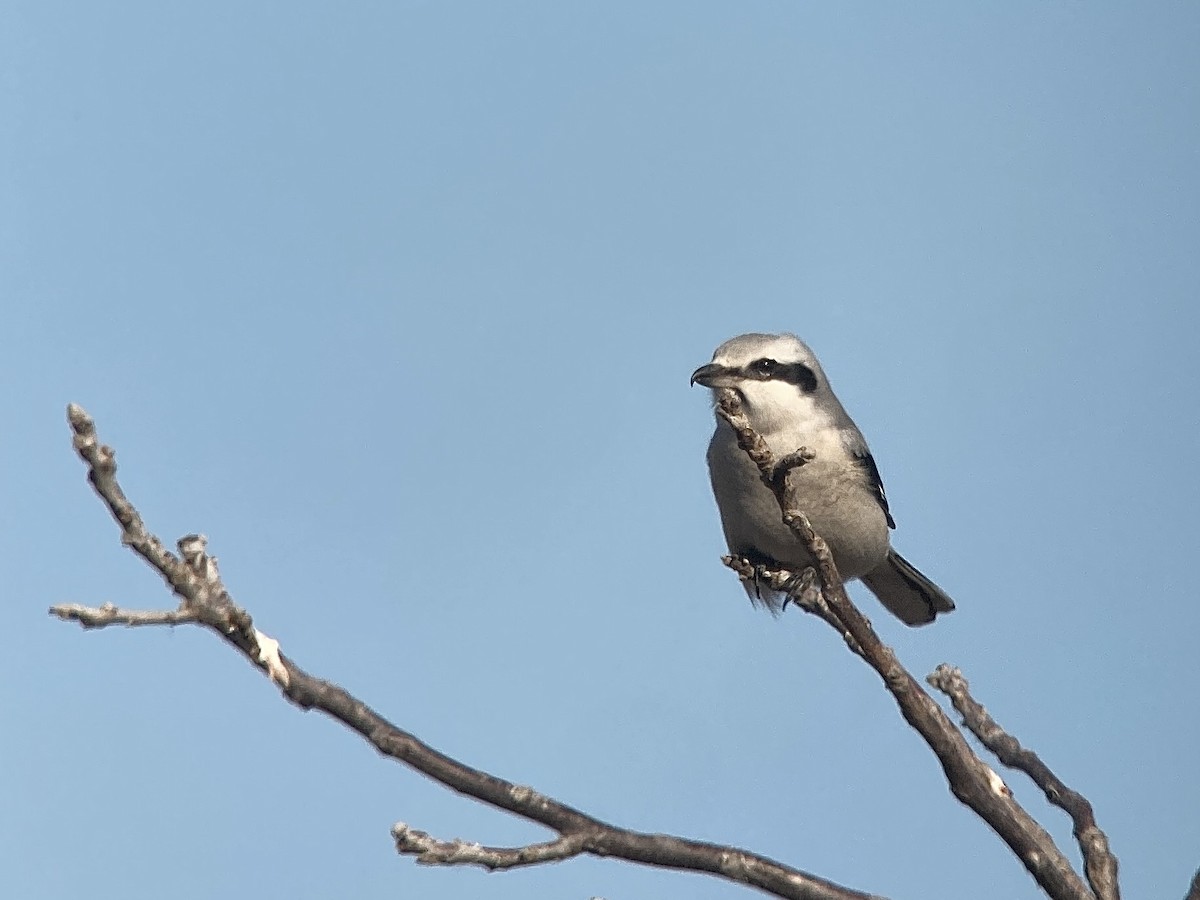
866, 461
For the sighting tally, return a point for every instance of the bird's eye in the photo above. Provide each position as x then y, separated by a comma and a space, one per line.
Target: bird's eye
764, 368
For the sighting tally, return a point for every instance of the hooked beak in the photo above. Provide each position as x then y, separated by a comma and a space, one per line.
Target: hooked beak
715, 376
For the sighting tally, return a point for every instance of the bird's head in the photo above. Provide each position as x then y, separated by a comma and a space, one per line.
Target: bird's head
776, 376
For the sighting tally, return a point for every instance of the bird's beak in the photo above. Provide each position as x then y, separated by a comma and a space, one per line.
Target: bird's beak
714, 376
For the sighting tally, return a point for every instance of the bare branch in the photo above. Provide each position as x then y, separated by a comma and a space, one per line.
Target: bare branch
108, 614
655, 850
194, 577
1100, 864
729, 408
431, 852
969, 778
1194, 891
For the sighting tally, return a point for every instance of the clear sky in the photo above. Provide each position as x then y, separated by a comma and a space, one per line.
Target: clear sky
397, 303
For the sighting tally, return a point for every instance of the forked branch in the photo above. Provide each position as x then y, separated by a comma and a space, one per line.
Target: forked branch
970, 779
1099, 864
193, 577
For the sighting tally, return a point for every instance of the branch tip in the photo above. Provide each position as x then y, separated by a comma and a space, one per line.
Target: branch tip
1099, 863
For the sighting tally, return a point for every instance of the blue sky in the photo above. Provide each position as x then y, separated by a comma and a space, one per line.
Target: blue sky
397, 303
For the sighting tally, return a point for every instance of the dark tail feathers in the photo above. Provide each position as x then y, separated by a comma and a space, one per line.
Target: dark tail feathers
906, 592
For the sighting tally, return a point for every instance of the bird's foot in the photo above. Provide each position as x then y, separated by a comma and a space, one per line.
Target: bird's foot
767, 582
758, 577
801, 588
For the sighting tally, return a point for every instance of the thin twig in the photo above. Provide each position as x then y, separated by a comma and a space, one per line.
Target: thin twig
108, 614
430, 851
1100, 864
194, 577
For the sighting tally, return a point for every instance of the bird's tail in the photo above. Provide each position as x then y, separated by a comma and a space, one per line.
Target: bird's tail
906, 592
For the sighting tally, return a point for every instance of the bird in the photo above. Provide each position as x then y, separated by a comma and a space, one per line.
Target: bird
788, 401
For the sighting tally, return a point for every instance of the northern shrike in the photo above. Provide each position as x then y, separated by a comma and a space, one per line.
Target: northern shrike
785, 396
